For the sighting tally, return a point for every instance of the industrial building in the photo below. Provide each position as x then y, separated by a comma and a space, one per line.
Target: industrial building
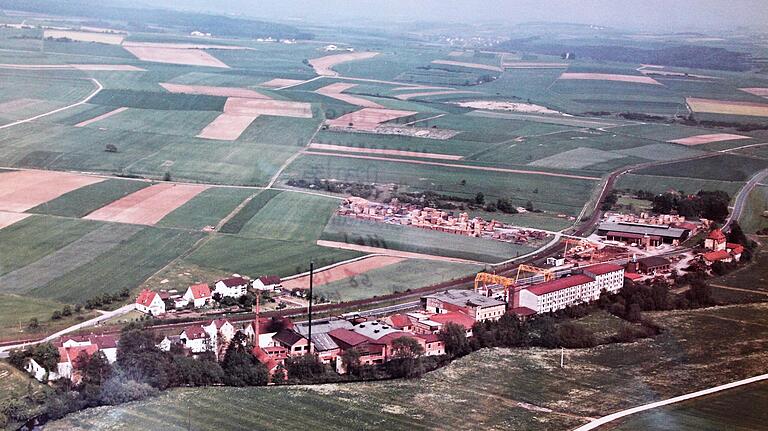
644, 234
473, 304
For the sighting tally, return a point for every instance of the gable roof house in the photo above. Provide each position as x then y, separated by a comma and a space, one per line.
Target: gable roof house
234, 287
267, 282
150, 302
196, 339
199, 295
296, 344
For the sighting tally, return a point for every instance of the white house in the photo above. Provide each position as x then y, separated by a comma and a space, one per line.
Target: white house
220, 329
150, 302
558, 294
196, 339
106, 344
267, 282
199, 295
37, 370
234, 287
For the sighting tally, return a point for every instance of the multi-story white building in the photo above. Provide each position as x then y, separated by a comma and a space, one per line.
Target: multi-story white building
557, 294
234, 287
478, 307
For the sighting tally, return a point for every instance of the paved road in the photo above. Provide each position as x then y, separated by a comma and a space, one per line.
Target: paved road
612, 417
27, 120
741, 197
105, 316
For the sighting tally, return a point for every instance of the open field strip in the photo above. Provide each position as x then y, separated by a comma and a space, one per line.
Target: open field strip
468, 65
727, 107
100, 117
23, 190
335, 90
226, 127
84, 36
565, 121
8, 218
99, 87
208, 90
612, 417
706, 139
324, 65
759, 91
66, 259
278, 83
83, 67
189, 57
533, 65
343, 271
408, 96
578, 158
471, 167
635, 79
256, 107
728, 150
368, 118
329, 147
393, 253
149, 205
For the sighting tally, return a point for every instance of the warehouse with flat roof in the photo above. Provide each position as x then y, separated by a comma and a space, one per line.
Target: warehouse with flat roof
635, 232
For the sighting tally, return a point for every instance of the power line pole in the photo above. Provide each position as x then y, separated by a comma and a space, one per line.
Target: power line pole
311, 282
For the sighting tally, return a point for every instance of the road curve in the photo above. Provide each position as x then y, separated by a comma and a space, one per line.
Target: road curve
742, 196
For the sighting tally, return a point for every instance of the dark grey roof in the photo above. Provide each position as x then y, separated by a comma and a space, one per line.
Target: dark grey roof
464, 298
653, 261
322, 327
643, 229
323, 342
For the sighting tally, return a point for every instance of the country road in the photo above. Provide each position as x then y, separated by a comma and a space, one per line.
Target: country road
742, 196
99, 87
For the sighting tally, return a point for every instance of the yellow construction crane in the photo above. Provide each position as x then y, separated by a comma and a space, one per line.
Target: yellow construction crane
587, 245
486, 279
528, 269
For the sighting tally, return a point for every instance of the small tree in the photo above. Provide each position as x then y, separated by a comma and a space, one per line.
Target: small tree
454, 337
33, 324
56, 315
110, 148
66, 311
480, 198
350, 359
407, 357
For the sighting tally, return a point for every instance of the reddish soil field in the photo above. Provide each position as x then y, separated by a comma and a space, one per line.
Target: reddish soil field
388, 252
213, 91
728, 107
255, 107
368, 118
22, 190
762, 92
342, 148
705, 139
469, 65
406, 96
610, 77
335, 91
108, 67
281, 82
149, 205
182, 45
192, 57
85, 36
532, 65
343, 271
324, 65
226, 127
100, 117
7, 219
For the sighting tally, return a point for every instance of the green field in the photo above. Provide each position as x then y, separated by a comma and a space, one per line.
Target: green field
207, 208
695, 352
397, 277
257, 257
754, 216
659, 184
410, 239
743, 408
85, 200
249, 210
721, 167
160, 121
292, 217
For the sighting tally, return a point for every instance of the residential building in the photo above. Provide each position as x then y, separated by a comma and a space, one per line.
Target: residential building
267, 282
196, 339
433, 346
234, 287
400, 321
715, 241
150, 302
68, 365
558, 294
295, 343
473, 304
199, 295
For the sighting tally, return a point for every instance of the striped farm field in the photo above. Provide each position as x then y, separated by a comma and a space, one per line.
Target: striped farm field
23, 190
84, 200
147, 206
342, 272
635, 79
726, 107
291, 216
206, 209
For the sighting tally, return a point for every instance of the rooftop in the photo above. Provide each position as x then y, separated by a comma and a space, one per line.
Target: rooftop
234, 281
717, 235
200, 291
714, 256
653, 261
643, 229
460, 319
322, 327
374, 330
603, 268
287, 336
348, 337
464, 298
559, 284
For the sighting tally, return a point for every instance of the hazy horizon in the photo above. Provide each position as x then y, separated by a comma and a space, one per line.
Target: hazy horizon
651, 15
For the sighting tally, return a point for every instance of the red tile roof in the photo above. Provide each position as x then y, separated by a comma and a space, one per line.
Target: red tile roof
560, 284
218, 322
453, 317
70, 354
399, 321
633, 276
348, 337
714, 256
195, 332
428, 338
264, 358
146, 297
603, 268
735, 248
389, 338
234, 281
717, 235
200, 291
269, 280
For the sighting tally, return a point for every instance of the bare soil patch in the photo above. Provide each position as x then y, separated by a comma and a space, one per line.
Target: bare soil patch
22, 190
341, 272
495, 105
107, 67
705, 139
324, 65
610, 77
7, 219
100, 117
335, 91
190, 57
226, 127
368, 118
533, 65
470, 65
85, 36
762, 92
183, 45
280, 82
149, 205
394, 253
213, 91
342, 148
256, 107
727, 107
406, 96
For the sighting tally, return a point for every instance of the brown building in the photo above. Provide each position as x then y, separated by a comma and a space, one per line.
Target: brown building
653, 265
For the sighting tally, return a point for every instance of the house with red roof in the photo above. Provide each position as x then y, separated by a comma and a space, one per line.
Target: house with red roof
196, 339
400, 321
433, 345
717, 256
233, 287
272, 363
715, 241
199, 295
150, 302
371, 351
736, 250
609, 277
295, 343
267, 282
69, 363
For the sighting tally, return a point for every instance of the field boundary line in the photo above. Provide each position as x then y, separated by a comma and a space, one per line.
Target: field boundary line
450, 165
334, 265
395, 253
618, 415
290, 160
99, 87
